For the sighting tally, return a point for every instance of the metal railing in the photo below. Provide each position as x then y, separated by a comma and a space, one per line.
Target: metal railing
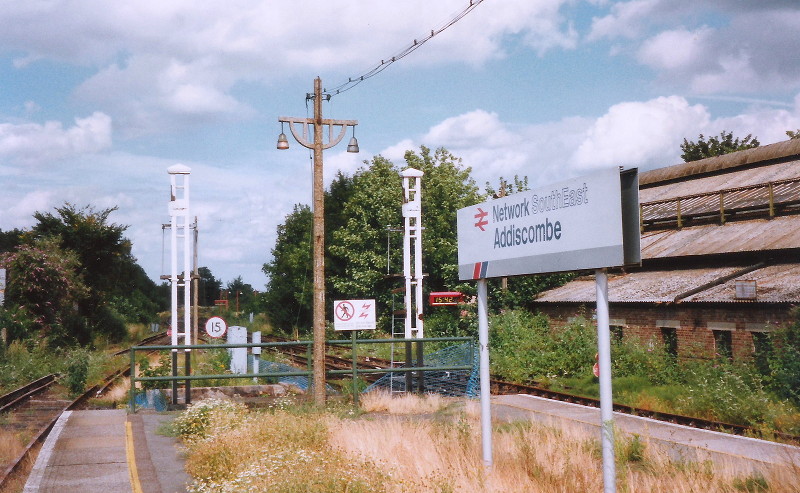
763, 200
354, 371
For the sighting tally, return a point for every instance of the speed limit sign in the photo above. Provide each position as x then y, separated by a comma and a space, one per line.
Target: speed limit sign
216, 327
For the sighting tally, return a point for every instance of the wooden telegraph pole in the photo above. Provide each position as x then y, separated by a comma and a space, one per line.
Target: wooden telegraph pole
317, 124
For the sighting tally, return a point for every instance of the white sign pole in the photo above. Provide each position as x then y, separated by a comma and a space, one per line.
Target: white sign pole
483, 340
606, 401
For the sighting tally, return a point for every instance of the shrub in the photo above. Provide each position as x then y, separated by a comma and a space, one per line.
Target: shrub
163, 369
76, 371
195, 422
525, 347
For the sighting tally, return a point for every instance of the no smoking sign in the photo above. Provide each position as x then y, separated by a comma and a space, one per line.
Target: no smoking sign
354, 315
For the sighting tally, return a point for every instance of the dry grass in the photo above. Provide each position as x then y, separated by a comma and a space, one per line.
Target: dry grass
382, 402
10, 446
286, 451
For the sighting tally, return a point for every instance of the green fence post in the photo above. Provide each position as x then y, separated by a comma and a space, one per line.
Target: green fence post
133, 380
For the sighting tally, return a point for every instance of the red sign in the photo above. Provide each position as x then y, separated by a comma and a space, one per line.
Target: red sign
445, 298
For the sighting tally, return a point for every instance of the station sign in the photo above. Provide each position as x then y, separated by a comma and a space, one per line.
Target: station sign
445, 298
588, 222
354, 315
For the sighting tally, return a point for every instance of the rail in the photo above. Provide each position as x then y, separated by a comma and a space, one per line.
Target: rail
354, 371
763, 200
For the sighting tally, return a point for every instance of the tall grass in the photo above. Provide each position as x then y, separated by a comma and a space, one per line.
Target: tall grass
298, 449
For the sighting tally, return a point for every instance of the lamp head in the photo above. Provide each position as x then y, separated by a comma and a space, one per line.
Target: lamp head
353, 145
283, 142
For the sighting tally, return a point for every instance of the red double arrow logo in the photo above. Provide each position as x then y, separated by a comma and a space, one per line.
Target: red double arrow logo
481, 217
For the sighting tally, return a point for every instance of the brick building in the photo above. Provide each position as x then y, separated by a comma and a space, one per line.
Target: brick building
720, 256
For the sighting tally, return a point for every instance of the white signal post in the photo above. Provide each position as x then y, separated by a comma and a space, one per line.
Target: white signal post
412, 250
180, 229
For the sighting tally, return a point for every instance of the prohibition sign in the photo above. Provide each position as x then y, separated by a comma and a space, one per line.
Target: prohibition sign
344, 311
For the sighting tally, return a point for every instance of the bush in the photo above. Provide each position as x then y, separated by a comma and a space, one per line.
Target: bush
194, 423
525, 347
784, 363
76, 371
723, 391
163, 369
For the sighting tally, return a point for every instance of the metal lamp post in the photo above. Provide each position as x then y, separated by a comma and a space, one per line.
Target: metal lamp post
317, 124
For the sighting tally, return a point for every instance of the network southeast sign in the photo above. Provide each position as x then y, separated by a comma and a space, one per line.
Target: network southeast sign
585, 223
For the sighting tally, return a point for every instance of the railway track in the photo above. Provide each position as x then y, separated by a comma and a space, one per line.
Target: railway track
32, 409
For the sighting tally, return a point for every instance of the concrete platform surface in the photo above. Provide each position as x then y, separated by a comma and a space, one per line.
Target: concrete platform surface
108, 451
680, 442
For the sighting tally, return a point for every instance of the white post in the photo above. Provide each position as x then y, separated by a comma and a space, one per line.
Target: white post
412, 247
606, 400
180, 227
483, 340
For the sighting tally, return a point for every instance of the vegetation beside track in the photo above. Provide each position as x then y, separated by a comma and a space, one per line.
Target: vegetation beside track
293, 446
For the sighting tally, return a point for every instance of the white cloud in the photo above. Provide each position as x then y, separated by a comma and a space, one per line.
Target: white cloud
675, 49
33, 143
167, 64
751, 48
641, 133
623, 21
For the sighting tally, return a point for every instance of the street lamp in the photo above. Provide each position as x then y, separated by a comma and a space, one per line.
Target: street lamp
317, 124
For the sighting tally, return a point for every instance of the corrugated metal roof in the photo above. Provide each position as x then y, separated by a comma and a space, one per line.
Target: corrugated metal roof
780, 150
742, 236
775, 284
732, 179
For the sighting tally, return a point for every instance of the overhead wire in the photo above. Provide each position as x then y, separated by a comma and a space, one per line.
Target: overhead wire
354, 81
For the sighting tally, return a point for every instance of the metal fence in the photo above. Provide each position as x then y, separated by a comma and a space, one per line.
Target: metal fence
354, 371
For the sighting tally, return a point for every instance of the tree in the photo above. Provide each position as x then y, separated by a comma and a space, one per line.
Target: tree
238, 287
358, 211
289, 288
10, 240
43, 289
716, 146
208, 287
118, 287
793, 134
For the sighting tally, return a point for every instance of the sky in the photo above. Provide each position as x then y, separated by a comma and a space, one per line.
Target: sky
98, 99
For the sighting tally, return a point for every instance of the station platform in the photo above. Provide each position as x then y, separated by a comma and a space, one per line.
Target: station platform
682, 443
112, 451
108, 451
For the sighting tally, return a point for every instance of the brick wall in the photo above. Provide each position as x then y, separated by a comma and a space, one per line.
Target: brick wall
694, 323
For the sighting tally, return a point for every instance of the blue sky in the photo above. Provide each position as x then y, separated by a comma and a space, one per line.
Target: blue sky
98, 99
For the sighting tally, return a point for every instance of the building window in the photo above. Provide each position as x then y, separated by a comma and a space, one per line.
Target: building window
669, 336
762, 350
723, 343
616, 333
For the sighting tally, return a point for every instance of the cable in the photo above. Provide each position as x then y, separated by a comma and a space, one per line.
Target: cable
354, 81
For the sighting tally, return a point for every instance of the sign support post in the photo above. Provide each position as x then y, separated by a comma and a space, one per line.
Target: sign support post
606, 402
483, 341
591, 222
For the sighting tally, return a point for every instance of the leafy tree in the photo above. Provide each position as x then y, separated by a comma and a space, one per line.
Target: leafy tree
240, 293
716, 146
105, 264
793, 134
289, 289
208, 287
10, 240
43, 288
